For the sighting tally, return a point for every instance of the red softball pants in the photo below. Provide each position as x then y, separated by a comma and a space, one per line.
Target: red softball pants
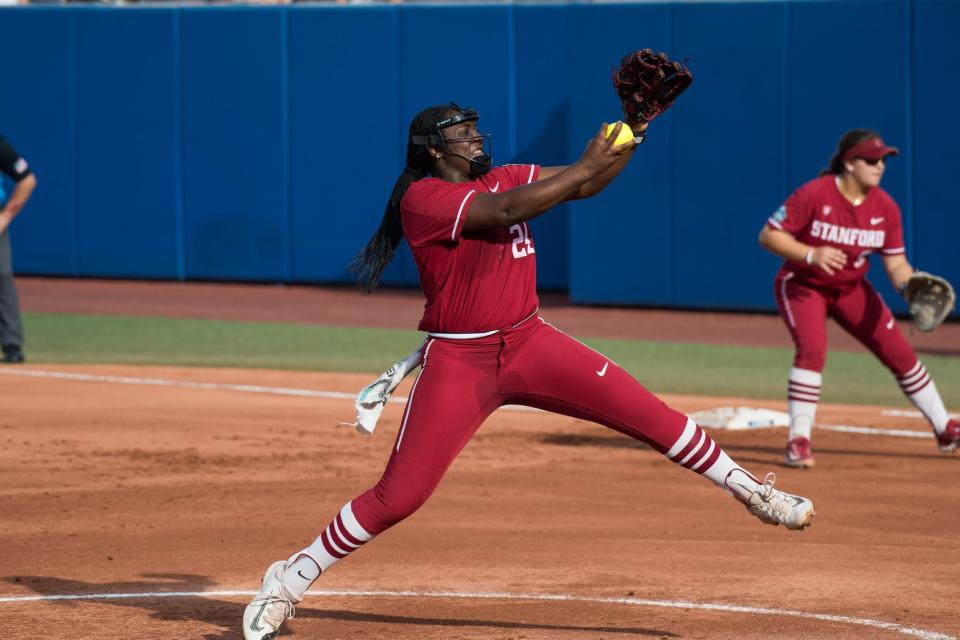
859, 310
463, 381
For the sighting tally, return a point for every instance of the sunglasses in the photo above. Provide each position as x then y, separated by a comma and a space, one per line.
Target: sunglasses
872, 161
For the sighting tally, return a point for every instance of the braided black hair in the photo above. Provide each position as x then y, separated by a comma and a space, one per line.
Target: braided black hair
848, 141
368, 265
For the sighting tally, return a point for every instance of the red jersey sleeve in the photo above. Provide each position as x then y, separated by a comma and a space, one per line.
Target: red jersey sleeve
893, 242
521, 174
794, 214
433, 211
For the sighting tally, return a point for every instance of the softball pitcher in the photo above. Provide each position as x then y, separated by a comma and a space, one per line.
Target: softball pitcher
487, 345
825, 232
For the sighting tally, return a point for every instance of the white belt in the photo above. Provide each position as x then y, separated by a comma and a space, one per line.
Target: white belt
484, 334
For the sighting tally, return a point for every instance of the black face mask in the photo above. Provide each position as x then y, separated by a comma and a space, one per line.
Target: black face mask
479, 165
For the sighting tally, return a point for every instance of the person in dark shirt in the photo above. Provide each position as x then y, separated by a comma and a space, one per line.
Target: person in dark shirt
18, 171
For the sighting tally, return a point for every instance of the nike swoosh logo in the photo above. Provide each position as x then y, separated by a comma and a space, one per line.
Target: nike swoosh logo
300, 573
603, 372
495, 187
890, 324
876, 220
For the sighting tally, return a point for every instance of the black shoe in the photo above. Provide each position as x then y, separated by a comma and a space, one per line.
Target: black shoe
13, 356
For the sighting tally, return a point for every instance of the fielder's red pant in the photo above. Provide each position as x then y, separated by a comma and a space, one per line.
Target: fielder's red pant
859, 310
464, 381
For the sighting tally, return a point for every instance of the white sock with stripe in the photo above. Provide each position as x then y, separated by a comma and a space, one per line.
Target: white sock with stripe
918, 386
697, 451
342, 536
803, 395
301, 572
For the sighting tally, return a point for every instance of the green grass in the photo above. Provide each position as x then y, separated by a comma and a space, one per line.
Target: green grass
761, 372
64, 338
756, 372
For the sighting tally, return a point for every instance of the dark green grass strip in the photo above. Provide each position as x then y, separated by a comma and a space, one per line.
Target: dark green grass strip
210, 343
753, 372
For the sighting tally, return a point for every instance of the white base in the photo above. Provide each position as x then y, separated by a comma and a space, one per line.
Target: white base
737, 418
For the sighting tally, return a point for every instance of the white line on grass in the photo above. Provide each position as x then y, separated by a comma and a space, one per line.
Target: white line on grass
188, 384
542, 597
900, 433
339, 395
157, 382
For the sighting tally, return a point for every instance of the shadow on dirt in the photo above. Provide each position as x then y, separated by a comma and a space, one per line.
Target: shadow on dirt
775, 453
205, 609
228, 614
577, 440
454, 623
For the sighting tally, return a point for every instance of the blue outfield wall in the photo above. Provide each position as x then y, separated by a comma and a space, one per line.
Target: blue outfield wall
261, 143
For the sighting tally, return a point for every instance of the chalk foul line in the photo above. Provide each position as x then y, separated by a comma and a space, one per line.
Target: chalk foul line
495, 595
340, 395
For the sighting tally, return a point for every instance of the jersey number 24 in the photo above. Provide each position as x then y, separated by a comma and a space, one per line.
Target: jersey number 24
522, 246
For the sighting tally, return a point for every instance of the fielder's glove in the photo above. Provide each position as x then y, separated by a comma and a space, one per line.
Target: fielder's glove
931, 299
648, 83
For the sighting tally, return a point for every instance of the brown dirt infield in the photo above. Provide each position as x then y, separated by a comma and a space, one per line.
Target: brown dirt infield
112, 488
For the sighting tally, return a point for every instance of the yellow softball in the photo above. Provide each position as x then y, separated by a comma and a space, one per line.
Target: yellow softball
626, 134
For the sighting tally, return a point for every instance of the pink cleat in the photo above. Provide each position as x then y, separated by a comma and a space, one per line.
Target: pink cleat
798, 454
950, 438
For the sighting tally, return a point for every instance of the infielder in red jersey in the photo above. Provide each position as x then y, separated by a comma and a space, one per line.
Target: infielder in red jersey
487, 345
826, 231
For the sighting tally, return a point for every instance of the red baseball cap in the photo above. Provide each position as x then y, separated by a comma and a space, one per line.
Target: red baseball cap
871, 149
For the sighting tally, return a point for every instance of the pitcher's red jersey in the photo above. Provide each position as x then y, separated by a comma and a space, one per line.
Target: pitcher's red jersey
817, 214
477, 281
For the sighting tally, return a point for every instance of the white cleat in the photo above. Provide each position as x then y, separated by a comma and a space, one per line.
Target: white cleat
269, 608
776, 507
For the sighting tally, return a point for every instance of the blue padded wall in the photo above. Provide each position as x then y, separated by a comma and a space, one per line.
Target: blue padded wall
126, 183
936, 220
347, 138
620, 239
729, 153
235, 155
39, 123
261, 143
539, 124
